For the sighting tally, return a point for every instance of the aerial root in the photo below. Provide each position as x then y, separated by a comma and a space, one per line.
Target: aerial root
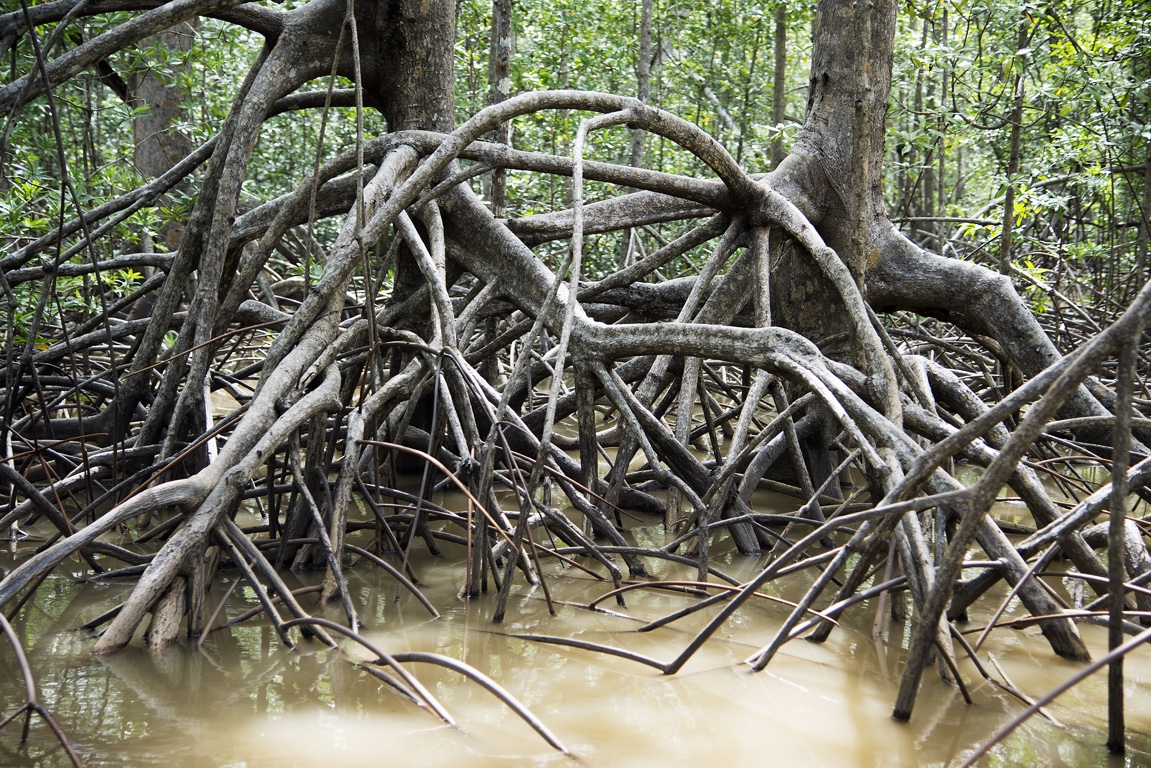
459, 368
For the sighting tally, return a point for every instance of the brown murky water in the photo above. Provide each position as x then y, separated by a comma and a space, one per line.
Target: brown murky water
243, 700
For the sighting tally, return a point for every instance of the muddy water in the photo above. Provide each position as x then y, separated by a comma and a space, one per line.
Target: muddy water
242, 700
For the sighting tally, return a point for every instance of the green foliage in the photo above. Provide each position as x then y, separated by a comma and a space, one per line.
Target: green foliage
1086, 123
713, 64
1086, 108
1036, 295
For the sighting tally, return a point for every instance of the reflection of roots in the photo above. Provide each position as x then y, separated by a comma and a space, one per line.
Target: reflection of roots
453, 374
32, 704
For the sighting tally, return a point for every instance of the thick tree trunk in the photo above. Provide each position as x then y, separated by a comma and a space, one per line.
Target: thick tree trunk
406, 51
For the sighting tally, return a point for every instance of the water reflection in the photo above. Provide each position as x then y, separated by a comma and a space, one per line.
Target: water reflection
242, 700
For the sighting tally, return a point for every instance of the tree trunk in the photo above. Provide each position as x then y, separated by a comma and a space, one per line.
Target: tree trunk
500, 85
159, 142
779, 84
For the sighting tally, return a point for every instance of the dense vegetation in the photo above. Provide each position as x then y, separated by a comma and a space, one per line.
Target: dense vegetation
829, 250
